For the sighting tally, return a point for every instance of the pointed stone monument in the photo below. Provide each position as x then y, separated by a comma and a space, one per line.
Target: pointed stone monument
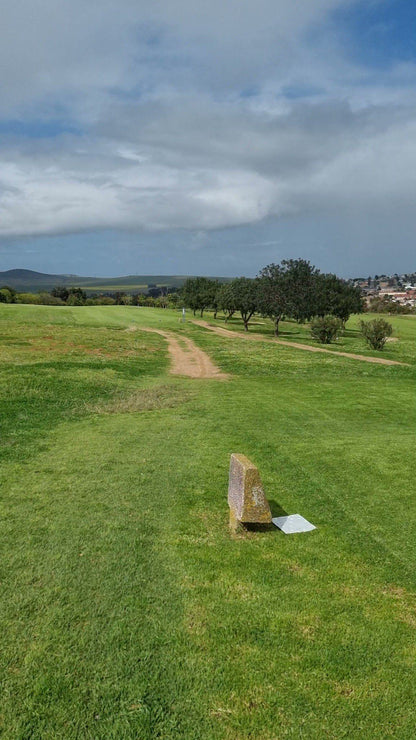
246, 499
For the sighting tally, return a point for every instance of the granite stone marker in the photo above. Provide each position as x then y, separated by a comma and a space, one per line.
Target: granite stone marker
246, 499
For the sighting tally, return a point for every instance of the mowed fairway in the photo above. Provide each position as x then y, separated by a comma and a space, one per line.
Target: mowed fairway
128, 610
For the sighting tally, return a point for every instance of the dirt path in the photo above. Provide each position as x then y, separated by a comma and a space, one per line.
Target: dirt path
187, 358
260, 338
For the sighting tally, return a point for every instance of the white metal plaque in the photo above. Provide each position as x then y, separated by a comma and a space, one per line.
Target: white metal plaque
293, 523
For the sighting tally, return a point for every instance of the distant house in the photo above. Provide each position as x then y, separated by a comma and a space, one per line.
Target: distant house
405, 298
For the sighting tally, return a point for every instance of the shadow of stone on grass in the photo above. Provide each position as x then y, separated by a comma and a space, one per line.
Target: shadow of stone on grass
276, 510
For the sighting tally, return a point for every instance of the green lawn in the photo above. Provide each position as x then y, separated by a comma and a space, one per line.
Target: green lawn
402, 347
133, 287
128, 610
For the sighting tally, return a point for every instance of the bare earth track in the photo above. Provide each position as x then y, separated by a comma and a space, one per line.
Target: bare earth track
260, 338
187, 358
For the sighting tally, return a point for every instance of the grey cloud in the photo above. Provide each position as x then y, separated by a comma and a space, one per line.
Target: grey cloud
51, 49
187, 122
200, 165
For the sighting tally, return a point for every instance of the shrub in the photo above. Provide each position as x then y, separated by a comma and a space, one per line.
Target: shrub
32, 298
376, 332
326, 328
46, 299
104, 300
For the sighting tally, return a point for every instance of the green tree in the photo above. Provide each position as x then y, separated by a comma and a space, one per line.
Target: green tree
245, 297
214, 291
226, 300
199, 293
273, 298
162, 301
119, 297
8, 295
337, 297
148, 301
191, 293
76, 297
297, 289
300, 285
288, 289
174, 299
60, 291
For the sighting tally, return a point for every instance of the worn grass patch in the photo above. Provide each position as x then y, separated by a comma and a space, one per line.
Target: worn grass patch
137, 400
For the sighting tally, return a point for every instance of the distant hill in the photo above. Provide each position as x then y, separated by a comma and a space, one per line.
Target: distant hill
34, 282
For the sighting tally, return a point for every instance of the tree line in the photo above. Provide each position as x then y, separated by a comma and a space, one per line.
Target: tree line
71, 296
292, 289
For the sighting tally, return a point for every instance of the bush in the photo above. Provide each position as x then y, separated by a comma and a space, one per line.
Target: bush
32, 298
104, 300
46, 299
40, 299
326, 328
376, 332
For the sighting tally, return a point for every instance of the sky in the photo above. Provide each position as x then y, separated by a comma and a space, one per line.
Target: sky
212, 138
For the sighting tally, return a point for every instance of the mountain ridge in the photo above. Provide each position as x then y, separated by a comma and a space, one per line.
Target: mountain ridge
24, 280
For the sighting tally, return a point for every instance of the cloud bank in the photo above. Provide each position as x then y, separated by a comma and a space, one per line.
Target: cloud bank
154, 117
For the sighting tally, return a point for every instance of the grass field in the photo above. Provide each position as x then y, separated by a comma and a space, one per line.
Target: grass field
133, 287
402, 348
127, 609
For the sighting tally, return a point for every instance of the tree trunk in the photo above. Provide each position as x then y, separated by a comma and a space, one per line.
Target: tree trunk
276, 327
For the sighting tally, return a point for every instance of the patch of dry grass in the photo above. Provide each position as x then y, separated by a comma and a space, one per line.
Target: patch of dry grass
142, 399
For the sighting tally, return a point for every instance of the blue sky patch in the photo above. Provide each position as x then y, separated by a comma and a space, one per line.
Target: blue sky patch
37, 129
378, 33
